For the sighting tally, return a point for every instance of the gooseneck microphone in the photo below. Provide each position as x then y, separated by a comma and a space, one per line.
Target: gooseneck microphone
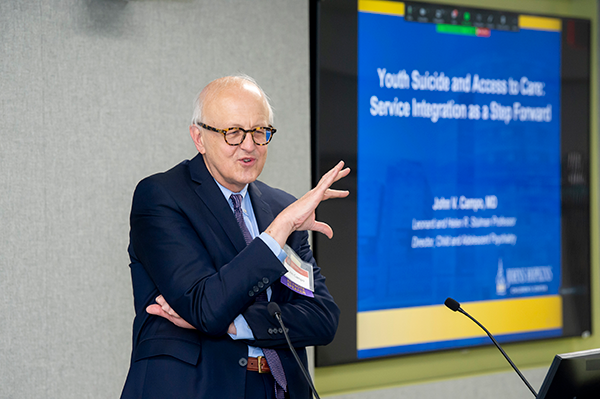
455, 306
275, 311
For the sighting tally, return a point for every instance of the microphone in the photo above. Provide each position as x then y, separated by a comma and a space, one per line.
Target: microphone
455, 306
275, 311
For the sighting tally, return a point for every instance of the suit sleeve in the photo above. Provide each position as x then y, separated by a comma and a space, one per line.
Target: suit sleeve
311, 321
206, 289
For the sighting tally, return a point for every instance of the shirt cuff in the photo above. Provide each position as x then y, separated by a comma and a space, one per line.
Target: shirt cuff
243, 329
274, 246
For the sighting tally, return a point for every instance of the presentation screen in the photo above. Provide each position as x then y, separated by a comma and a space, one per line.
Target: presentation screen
470, 166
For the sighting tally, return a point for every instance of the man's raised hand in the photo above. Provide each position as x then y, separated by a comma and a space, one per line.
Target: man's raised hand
300, 215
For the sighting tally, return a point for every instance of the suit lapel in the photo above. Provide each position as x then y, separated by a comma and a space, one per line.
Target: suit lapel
223, 218
262, 210
213, 198
264, 217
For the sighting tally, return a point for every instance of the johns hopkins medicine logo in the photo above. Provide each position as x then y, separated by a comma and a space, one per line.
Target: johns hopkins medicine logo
500, 279
522, 280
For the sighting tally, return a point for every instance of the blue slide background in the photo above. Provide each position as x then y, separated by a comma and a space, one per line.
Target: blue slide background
404, 162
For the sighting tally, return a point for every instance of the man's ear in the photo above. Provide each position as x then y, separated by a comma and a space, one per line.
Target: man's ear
198, 138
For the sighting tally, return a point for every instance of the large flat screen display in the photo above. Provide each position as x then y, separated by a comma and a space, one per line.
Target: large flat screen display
467, 130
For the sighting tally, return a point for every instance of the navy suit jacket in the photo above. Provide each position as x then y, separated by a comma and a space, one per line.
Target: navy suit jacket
186, 245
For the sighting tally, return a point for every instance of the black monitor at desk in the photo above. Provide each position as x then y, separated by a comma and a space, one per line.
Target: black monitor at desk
573, 376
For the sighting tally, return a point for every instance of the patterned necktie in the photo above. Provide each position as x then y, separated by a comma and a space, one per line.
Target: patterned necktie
270, 354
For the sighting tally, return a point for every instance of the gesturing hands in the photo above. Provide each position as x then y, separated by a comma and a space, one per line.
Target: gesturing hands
300, 215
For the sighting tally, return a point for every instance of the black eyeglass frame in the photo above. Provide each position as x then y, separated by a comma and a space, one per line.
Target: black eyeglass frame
251, 131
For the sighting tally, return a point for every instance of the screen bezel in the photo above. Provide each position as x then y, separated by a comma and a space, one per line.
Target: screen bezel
334, 29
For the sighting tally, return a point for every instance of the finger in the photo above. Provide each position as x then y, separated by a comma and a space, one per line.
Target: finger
331, 193
336, 170
232, 329
342, 173
163, 304
328, 178
323, 228
156, 310
171, 312
167, 308
326, 181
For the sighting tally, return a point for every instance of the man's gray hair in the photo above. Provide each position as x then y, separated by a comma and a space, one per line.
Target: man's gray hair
219, 84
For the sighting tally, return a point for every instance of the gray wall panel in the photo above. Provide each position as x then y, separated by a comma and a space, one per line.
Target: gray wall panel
95, 95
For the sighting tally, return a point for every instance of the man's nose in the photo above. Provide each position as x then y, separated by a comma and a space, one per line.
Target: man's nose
248, 142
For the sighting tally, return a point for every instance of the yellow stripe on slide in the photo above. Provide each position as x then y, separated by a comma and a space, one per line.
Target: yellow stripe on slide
539, 23
381, 7
424, 324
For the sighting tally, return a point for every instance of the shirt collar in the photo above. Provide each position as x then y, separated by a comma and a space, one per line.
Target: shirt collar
227, 192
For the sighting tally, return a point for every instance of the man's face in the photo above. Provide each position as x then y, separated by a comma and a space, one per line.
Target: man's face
235, 106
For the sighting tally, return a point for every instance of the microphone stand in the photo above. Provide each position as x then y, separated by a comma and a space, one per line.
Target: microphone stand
455, 306
275, 311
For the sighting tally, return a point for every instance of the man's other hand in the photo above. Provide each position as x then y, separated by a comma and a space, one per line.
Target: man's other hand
163, 309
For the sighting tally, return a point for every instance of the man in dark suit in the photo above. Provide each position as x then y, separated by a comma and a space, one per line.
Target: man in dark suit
206, 241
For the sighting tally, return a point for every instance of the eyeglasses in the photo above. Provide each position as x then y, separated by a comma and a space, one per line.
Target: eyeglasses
236, 135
